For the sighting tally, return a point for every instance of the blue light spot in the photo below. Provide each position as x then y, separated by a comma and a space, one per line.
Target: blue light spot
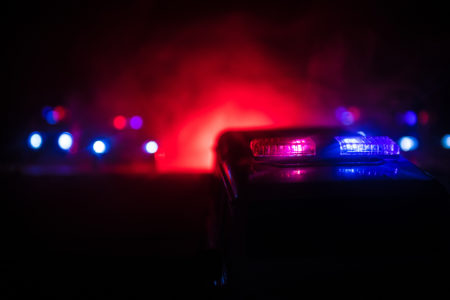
151, 147
99, 147
446, 141
65, 141
408, 143
35, 140
49, 115
345, 116
410, 118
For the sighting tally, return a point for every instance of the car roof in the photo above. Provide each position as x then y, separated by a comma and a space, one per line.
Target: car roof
234, 158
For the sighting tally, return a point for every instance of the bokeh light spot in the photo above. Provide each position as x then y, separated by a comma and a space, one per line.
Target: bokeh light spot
410, 118
65, 141
59, 114
445, 141
356, 113
119, 122
35, 140
99, 147
50, 117
347, 118
53, 116
136, 122
151, 147
408, 143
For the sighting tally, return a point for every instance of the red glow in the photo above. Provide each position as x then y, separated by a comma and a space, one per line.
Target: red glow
59, 113
119, 122
424, 117
191, 145
195, 85
355, 112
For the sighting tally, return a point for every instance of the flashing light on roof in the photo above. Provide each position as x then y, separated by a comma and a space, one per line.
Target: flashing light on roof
151, 147
99, 147
367, 146
65, 141
35, 140
362, 133
445, 141
408, 143
283, 147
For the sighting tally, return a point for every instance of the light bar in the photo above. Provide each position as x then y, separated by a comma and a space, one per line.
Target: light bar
367, 146
366, 171
283, 147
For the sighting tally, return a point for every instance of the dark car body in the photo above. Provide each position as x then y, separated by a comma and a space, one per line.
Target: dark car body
326, 226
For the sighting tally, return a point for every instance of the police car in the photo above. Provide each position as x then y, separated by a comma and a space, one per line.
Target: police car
326, 211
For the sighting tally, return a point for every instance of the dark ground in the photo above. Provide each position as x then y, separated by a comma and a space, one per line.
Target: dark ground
86, 237
117, 237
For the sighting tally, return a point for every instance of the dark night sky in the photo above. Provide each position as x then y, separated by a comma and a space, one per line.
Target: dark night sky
70, 49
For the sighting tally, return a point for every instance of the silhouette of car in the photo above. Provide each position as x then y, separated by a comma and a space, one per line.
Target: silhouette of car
325, 211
